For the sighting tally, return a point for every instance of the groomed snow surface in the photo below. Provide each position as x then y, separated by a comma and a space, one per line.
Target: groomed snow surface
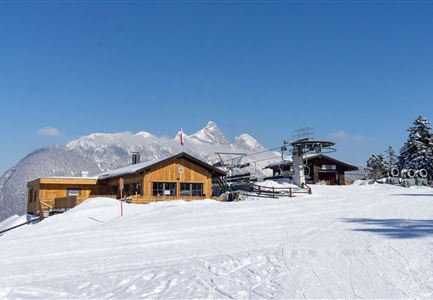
367, 241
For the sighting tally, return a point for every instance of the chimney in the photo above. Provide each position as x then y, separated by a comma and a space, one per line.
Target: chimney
135, 158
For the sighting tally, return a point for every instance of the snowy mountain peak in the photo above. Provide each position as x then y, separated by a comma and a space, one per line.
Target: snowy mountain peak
124, 139
210, 134
144, 134
211, 124
246, 141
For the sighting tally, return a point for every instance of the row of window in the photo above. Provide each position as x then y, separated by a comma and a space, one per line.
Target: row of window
169, 189
159, 189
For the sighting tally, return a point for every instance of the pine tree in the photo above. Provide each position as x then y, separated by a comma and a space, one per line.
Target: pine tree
391, 158
417, 152
377, 166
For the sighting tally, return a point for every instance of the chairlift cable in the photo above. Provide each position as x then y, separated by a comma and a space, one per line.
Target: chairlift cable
256, 153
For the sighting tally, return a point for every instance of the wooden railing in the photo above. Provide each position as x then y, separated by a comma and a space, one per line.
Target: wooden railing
66, 202
45, 204
276, 192
103, 196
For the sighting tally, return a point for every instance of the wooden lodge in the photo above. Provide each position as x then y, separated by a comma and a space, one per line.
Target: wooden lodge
318, 169
181, 176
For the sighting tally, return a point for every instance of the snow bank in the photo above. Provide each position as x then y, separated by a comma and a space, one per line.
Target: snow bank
278, 183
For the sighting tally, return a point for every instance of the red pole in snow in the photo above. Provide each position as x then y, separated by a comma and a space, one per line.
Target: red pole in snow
121, 195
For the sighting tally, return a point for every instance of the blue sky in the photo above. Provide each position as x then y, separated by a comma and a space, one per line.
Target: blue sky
359, 73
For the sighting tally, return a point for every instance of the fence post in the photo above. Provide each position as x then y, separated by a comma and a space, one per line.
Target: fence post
273, 192
260, 192
290, 192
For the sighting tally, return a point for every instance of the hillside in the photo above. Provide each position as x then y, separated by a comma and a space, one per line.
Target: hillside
100, 152
341, 242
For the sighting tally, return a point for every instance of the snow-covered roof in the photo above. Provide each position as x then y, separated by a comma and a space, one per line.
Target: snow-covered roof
131, 169
71, 177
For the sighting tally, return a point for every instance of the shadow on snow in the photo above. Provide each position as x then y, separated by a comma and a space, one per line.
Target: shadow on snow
415, 195
394, 228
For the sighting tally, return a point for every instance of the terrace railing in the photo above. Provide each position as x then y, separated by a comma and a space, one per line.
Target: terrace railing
276, 192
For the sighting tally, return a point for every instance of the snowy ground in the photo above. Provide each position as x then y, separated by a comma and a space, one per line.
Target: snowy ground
341, 242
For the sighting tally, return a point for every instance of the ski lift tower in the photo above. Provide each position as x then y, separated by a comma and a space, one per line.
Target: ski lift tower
303, 145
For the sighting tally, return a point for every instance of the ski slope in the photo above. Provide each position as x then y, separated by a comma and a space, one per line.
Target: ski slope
341, 242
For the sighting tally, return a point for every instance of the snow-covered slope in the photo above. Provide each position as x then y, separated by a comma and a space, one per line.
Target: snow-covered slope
99, 152
342, 242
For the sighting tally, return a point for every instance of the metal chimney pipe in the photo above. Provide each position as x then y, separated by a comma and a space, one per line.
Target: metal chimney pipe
135, 158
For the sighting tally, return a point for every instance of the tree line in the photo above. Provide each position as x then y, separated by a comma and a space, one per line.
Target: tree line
416, 153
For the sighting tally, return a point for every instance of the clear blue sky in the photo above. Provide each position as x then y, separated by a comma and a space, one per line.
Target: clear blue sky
358, 73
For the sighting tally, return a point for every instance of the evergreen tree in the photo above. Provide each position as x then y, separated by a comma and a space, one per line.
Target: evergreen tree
391, 158
377, 167
417, 152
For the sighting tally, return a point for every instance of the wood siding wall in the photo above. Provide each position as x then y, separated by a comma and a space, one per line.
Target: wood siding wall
170, 173
48, 193
167, 172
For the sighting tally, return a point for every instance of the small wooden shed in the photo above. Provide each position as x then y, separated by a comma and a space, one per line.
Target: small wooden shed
50, 193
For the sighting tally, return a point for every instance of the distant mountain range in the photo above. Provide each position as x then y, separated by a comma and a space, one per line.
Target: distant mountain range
100, 152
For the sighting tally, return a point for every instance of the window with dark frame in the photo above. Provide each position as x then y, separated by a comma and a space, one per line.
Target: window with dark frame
136, 188
162, 189
191, 189
197, 189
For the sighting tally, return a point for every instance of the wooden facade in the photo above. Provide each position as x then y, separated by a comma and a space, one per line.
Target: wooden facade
178, 177
319, 169
49, 193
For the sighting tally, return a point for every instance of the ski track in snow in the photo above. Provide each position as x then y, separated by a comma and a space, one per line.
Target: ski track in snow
357, 242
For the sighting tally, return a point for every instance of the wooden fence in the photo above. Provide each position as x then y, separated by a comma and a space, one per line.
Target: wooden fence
276, 192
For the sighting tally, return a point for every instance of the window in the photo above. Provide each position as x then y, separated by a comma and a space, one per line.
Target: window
197, 189
114, 190
126, 189
191, 189
71, 192
185, 189
164, 189
136, 188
